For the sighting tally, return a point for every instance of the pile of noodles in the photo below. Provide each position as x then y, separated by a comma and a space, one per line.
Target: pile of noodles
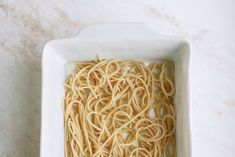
119, 108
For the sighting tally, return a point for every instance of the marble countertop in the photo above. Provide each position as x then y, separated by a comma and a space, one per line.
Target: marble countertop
25, 26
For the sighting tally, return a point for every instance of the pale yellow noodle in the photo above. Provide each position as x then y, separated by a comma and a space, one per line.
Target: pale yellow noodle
107, 108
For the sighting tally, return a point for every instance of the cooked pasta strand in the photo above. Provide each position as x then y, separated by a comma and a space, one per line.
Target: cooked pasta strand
108, 105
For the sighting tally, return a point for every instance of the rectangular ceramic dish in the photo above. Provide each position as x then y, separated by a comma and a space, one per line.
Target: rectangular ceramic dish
123, 41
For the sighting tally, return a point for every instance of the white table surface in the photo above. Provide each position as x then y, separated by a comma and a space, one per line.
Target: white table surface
26, 25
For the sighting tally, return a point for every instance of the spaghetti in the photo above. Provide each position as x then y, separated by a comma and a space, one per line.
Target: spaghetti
118, 108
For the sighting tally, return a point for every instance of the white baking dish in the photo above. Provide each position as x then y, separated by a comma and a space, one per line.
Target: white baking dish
124, 41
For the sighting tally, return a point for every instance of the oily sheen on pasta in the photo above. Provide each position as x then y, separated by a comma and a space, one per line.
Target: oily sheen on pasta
120, 108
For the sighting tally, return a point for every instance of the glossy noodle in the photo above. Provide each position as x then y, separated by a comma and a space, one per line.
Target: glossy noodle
120, 108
